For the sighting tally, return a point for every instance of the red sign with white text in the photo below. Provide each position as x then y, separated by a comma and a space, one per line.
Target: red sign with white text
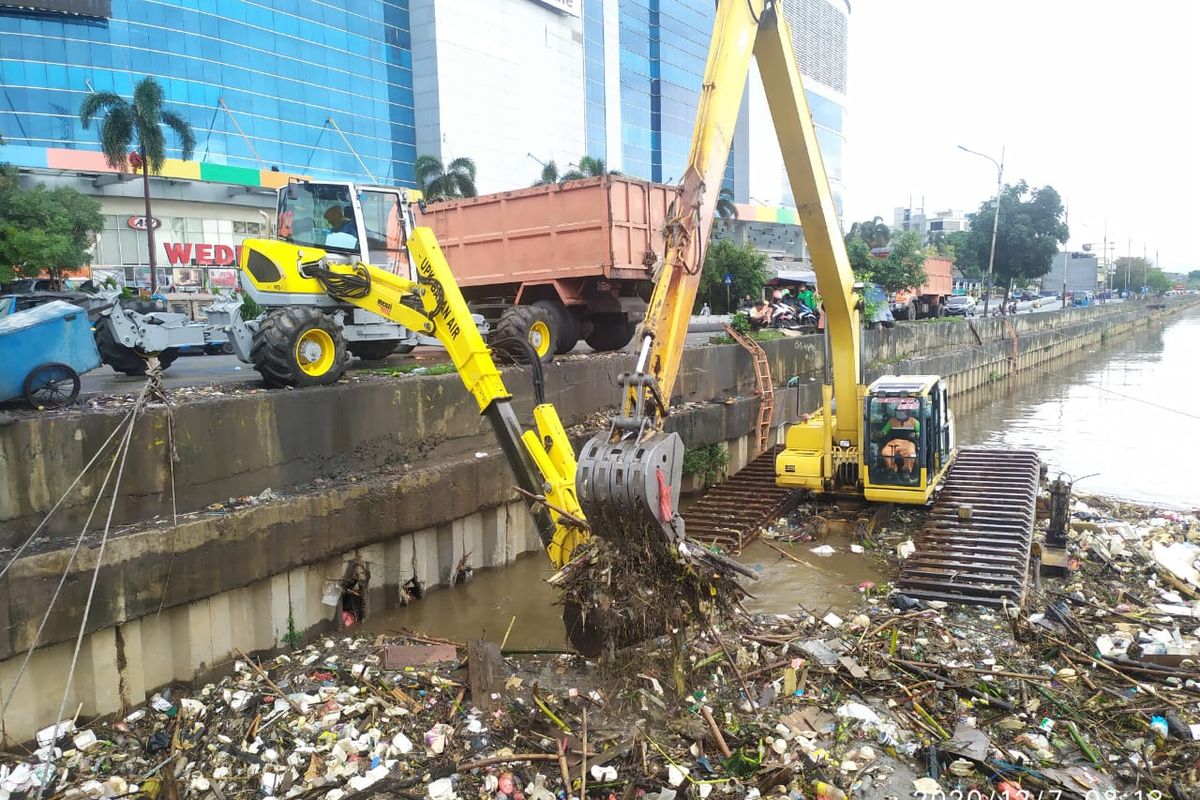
202, 255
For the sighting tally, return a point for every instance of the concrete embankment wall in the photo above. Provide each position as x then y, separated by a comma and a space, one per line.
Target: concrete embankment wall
401, 474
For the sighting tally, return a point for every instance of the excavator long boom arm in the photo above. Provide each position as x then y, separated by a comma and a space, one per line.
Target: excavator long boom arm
430, 302
634, 464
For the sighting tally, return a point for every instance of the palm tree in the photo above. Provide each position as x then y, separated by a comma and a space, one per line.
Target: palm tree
549, 174
138, 124
588, 167
445, 182
726, 208
875, 233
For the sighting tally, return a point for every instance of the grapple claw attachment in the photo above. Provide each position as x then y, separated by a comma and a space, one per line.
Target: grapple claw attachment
623, 477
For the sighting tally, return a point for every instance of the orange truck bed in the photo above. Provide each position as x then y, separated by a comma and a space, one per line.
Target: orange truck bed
609, 227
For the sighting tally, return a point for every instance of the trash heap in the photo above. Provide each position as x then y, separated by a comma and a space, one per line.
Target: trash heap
1091, 691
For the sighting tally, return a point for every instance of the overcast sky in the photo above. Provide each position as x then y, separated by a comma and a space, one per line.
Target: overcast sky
1098, 98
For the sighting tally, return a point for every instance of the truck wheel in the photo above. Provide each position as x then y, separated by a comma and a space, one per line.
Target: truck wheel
115, 354
51, 386
372, 351
165, 357
532, 324
610, 331
567, 324
403, 349
298, 346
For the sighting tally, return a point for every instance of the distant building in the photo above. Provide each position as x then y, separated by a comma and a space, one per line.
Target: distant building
1073, 272
927, 224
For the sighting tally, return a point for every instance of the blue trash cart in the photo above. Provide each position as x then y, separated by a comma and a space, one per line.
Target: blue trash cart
43, 351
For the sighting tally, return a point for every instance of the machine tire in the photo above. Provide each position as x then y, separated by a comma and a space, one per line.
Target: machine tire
372, 351
532, 324
568, 325
227, 349
115, 354
610, 331
165, 357
52, 385
276, 352
404, 349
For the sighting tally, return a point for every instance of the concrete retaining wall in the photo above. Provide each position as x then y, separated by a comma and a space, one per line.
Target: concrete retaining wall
173, 602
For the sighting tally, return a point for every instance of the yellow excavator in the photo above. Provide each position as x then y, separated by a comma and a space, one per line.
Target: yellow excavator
892, 441
316, 271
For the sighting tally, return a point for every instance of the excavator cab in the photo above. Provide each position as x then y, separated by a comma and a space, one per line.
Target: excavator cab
909, 434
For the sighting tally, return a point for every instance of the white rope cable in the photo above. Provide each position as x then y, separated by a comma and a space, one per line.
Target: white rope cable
37, 637
63, 496
123, 452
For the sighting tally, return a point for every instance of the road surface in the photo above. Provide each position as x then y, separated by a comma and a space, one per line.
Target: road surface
203, 370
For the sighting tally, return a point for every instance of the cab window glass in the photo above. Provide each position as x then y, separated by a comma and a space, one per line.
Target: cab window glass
310, 213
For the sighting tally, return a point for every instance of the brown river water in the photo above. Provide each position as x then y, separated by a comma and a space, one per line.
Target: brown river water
1129, 412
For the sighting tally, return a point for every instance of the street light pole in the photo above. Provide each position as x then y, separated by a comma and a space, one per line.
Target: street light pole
987, 290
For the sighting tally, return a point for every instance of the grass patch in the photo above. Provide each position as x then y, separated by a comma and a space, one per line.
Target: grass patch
947, 318
410, 369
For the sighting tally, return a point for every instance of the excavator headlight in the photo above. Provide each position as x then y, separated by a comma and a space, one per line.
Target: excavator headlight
843, 442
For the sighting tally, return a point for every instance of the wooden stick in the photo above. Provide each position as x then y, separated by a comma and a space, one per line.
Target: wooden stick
562, 765
722, 746
262, 673
487, 762
1113, 670
998, 673
567, 515
785, 553
583, 756
732, 665
504, 641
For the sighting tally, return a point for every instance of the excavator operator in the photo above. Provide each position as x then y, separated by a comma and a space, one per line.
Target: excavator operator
900, 448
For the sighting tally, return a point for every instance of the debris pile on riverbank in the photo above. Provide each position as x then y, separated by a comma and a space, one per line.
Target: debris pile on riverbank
1093, 688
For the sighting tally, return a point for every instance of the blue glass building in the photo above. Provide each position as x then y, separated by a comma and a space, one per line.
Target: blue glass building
661, 47
321, 87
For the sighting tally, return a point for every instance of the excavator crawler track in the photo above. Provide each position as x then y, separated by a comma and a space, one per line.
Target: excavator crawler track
980, 557
733, 514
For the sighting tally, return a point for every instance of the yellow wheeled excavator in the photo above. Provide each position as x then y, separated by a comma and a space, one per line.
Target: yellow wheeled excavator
318, 265
892, 441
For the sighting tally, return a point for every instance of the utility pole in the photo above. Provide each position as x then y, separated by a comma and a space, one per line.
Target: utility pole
987, 290
1107, 265
1128, 263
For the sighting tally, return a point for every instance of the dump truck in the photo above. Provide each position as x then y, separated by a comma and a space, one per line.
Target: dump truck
928, 300
566, 262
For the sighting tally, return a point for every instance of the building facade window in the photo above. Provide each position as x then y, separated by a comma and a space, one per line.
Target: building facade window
282, 70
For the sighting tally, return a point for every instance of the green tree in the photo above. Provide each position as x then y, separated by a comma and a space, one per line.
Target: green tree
1193, 279
44, 230
1133, 266
588, 167
138, 124
747, 267
549, 174
874, 232
445, 181
961, 248
1158, 281
1032, 226
902, 264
